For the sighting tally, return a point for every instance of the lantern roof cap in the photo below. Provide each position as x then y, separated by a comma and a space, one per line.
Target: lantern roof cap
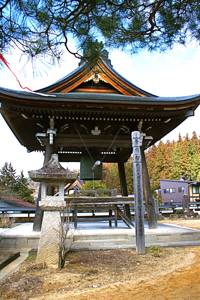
53, 171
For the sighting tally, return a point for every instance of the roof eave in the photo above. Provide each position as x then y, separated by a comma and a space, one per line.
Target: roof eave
28, 98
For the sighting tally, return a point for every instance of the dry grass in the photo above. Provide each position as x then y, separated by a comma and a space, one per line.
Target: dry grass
6, 221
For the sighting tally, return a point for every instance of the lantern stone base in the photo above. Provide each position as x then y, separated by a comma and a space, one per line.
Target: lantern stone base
52, 204
48, 248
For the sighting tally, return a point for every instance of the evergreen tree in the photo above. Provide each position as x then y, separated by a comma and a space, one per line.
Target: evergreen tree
173, 160
157, 164
7, 177
170, 160
39, 27
11, 184
22, 189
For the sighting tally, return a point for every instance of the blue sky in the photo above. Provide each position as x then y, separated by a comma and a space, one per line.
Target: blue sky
173, 73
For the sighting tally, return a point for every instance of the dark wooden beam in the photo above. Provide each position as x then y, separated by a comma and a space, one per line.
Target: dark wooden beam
124, 217
75, 156
123, 185
122, 178
102, 141
148, 198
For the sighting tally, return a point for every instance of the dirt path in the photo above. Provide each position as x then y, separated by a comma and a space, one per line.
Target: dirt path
163, 273
181, 283
191, 223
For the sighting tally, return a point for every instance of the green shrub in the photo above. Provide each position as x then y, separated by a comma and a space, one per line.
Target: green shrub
155, 251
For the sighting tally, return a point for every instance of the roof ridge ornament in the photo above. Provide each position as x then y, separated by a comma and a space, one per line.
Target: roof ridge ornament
96, 78
105, 56
96, 75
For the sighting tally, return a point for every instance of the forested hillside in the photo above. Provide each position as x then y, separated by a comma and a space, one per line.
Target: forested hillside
172, 160
169, 160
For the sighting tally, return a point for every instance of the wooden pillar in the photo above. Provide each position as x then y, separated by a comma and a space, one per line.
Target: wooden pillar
138, 192
48, 152
123, 185
110, 217
37, 224
148, 198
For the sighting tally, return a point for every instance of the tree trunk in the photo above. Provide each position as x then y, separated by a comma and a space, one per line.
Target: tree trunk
148, 198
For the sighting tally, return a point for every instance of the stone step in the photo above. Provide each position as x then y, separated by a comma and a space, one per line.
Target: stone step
16, 242
14, 265
178, 237
114, 241
124, 243
93, 236
174, 244
187, 236
98, 239
6, 257
102, 244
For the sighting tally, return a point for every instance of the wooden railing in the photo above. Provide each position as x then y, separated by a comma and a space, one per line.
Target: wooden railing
111, 205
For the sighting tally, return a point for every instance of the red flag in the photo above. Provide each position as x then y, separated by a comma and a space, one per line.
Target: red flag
7, 65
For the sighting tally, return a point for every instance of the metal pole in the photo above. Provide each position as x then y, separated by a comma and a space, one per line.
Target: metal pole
137, 137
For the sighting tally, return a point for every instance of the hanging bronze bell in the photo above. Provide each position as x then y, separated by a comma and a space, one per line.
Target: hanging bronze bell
90, 168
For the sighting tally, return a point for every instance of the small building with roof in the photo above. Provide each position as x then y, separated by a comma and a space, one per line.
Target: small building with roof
13, 204
176, 191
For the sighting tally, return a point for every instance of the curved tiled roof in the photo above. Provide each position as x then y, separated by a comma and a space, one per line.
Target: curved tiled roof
78, 101
81, 72
17, 202
96, 98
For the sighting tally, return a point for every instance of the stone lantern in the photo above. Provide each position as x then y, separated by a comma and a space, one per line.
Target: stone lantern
53, 178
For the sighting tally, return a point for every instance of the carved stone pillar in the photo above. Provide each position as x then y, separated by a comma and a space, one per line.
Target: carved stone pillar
138, 192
